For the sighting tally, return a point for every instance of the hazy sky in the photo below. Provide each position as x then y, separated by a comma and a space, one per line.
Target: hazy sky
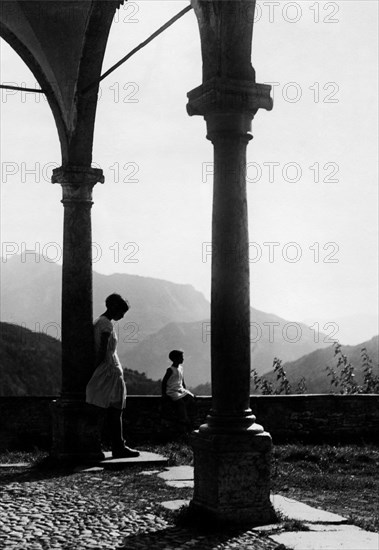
312, 166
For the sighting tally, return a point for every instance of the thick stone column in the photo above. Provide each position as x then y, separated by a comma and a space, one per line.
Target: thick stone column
231, 451
75, 424
230, 303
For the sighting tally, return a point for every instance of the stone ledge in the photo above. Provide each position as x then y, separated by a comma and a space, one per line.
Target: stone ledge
144, 459
325, 537
293, 509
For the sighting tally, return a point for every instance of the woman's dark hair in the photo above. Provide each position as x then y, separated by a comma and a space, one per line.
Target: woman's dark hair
116, 301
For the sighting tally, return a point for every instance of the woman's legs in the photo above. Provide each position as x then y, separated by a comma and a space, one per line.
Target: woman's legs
115, 428
119, 449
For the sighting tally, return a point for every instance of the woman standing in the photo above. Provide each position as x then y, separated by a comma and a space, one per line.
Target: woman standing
107, 387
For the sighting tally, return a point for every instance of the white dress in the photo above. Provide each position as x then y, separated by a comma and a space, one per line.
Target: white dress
107, 386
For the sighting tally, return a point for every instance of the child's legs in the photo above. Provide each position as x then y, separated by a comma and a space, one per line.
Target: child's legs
191, 408
181, 410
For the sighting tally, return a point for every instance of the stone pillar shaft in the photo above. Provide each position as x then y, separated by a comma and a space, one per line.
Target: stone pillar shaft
228, 108
77, 329
76, 318
230, 303
75, 424
231, 451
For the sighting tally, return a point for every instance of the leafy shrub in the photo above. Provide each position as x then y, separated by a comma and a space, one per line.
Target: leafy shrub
343, 379
343, 375
284, 386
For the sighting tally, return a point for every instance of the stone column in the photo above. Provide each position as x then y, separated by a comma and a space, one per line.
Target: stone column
75, 424
230, 299
231, 451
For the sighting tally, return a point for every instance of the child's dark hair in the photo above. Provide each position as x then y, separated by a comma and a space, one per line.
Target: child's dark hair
175, 354
116, 301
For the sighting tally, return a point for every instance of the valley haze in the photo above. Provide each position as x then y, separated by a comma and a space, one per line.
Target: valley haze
163, 316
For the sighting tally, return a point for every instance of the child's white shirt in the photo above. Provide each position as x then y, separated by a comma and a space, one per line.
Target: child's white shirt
175, 388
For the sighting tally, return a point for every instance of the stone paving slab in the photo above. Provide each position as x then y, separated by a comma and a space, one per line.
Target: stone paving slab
174, 504
177, 473
294, 509
327, 531
326, 537
145, 458
180, 483
180, 477
330, 526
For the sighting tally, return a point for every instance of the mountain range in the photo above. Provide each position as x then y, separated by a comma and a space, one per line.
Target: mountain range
312, 367
30, 362
31, 365
150, 356
31, 297
163, 316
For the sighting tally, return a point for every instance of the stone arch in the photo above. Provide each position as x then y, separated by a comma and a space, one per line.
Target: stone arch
29, 60
63, 44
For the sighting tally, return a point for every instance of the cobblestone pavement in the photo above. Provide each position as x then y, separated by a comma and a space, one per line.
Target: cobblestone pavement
102, 510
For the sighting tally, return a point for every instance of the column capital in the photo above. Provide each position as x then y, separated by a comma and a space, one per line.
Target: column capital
77, 175
77, 182
228, 96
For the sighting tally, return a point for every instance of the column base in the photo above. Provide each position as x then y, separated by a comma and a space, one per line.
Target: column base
76, 433
231, 424
232, 477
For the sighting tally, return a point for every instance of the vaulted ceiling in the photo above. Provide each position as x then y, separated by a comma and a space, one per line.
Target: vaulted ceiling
63, 43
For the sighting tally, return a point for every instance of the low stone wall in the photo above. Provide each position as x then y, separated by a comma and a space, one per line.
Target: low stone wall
319, 418
25, 422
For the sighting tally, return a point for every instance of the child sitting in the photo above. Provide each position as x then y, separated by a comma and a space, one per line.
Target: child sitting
174, 390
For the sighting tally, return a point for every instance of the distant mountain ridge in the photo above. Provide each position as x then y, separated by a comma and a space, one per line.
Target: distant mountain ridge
275, 335
163, 316
31, 297
312, 366
30, 364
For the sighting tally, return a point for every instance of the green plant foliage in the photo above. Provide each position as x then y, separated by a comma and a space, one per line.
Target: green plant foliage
283, 385
371, 381
343, 378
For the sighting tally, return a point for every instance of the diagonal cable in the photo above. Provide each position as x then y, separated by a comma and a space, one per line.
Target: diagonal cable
86, 89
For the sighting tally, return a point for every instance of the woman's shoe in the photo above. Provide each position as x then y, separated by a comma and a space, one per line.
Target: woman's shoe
125, 452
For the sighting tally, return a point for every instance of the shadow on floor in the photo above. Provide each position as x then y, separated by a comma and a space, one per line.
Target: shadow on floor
175, 537
37, 472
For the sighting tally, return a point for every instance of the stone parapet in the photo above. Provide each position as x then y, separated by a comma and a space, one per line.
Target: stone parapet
26, 421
